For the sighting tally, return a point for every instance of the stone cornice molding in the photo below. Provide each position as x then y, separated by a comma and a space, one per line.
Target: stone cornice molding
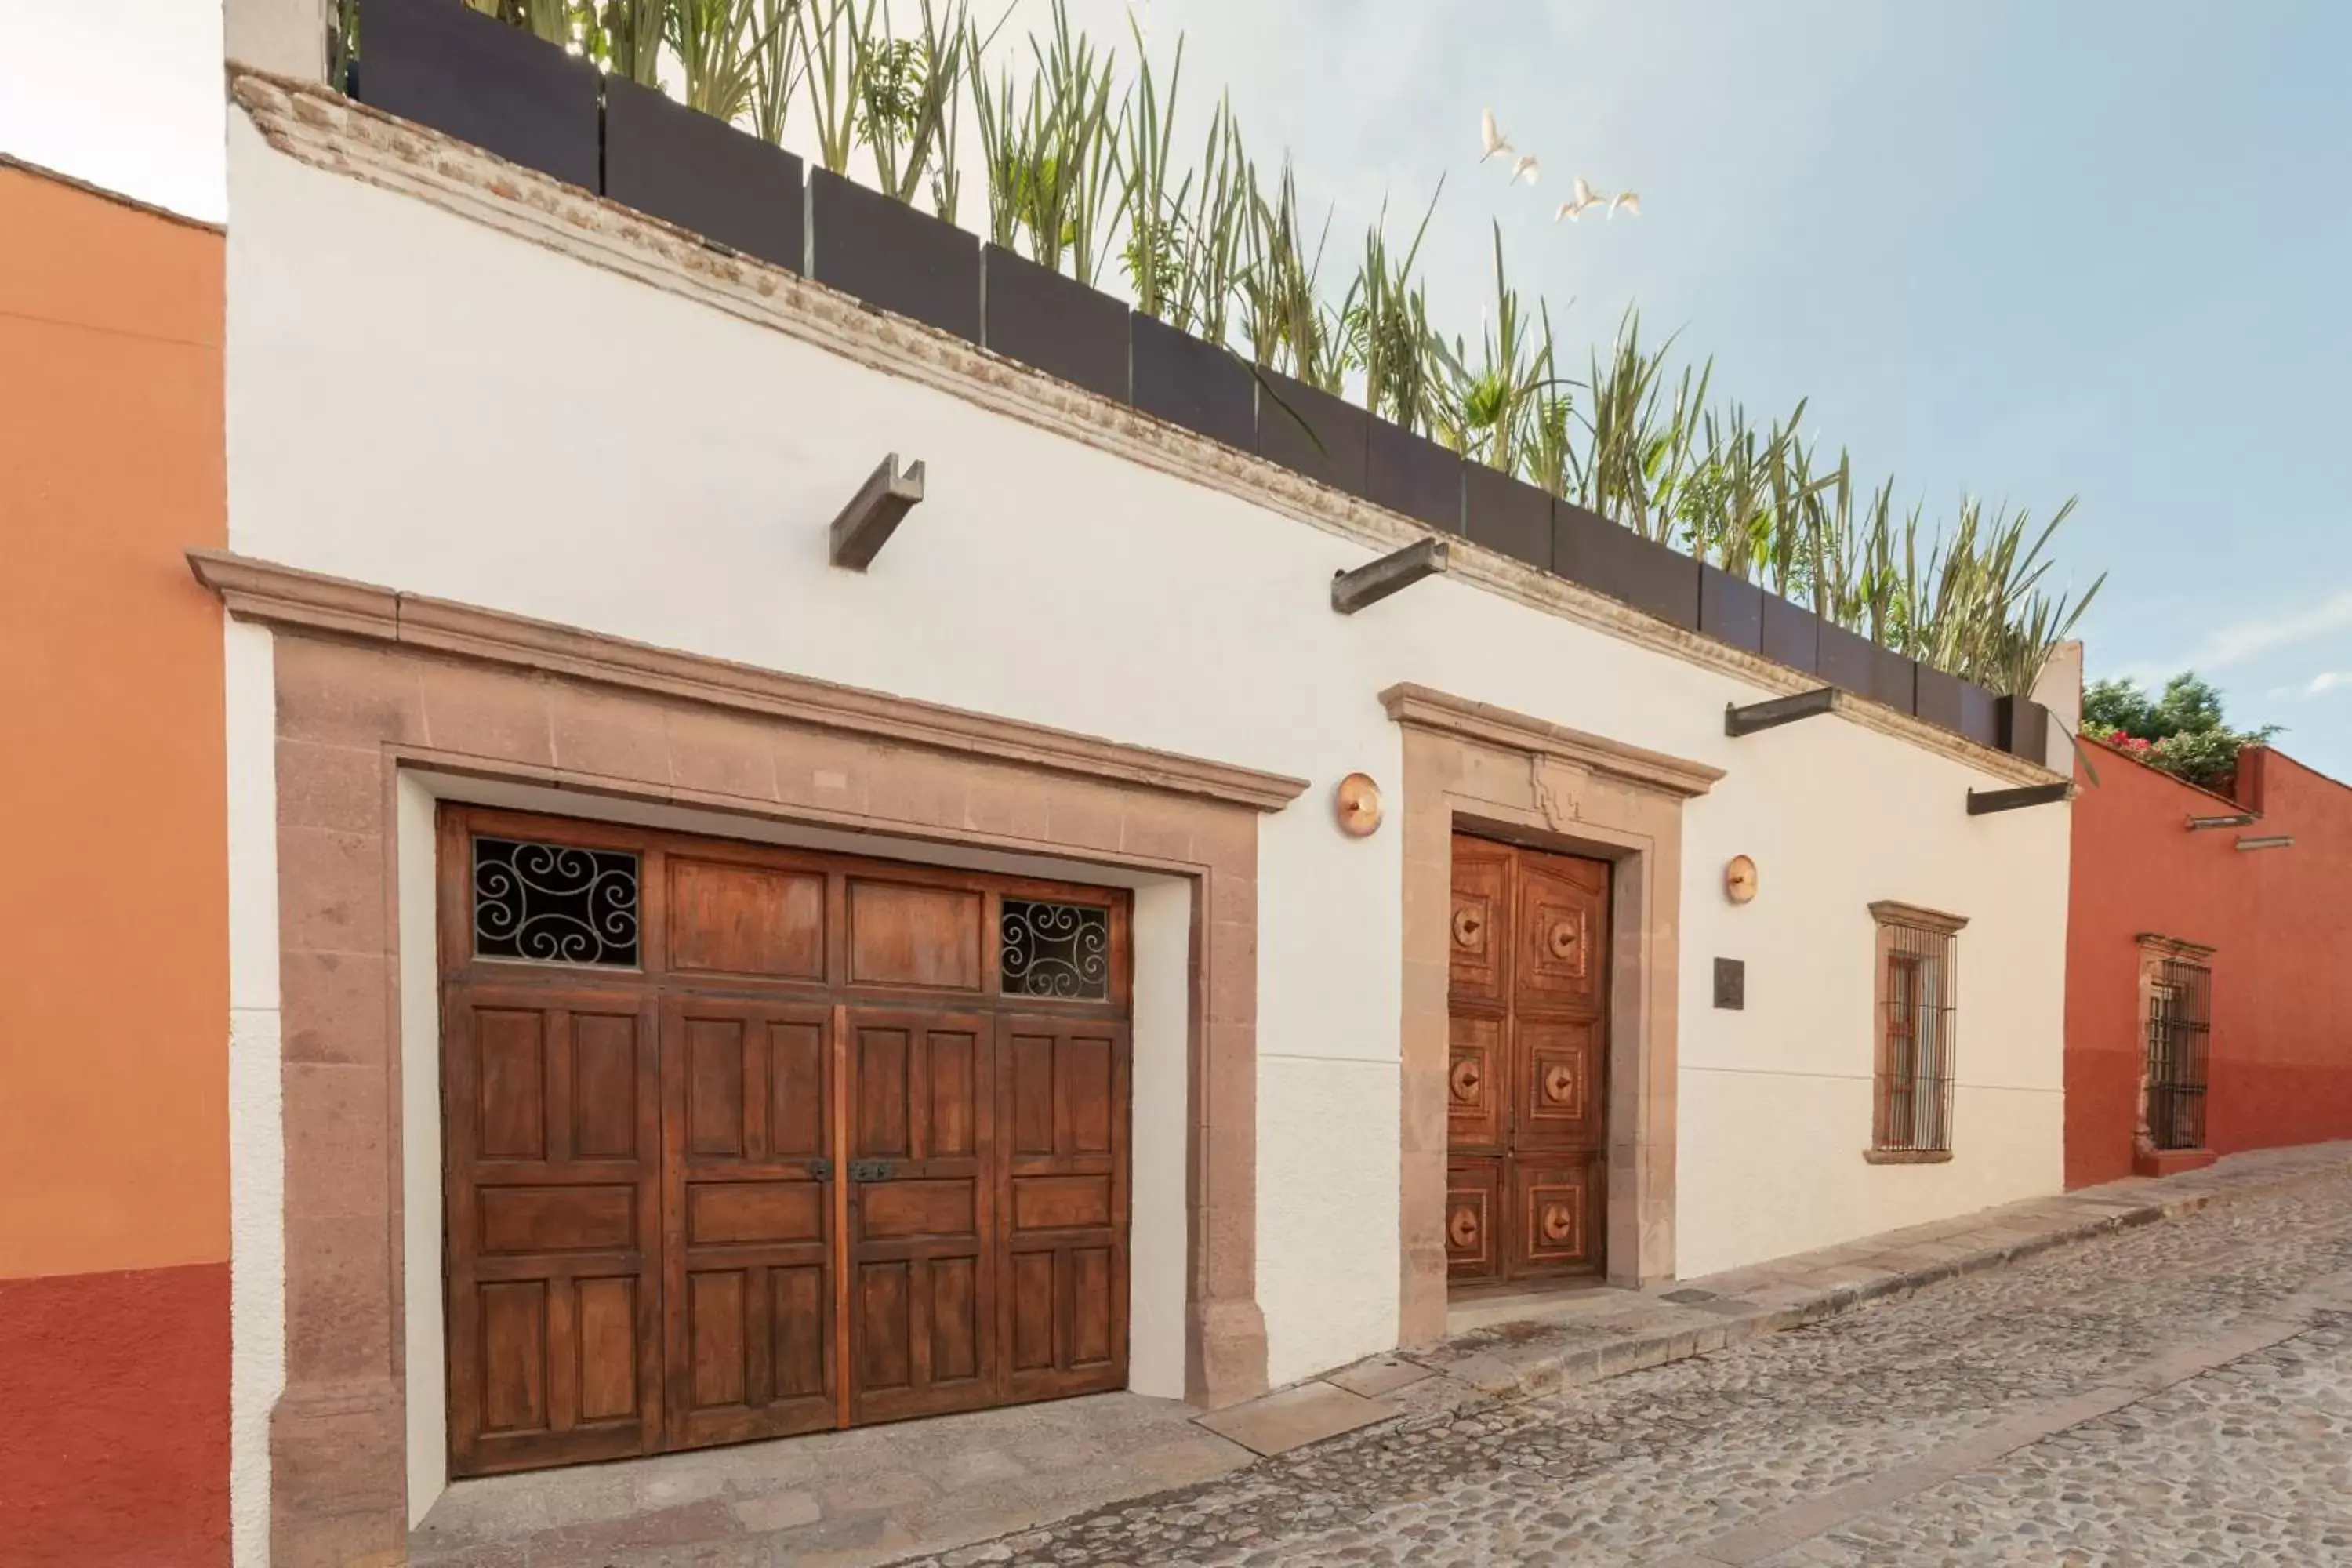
2157, 945
1895, 913
272, 594
1440, 713
317, 126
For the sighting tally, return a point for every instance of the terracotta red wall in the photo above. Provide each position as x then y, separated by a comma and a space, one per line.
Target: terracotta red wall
114, 1449
2281, 920
114, 1315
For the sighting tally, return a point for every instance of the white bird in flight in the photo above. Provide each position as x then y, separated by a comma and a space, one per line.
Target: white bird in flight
1629, 200
1526, 168
1580, 196
1493, 139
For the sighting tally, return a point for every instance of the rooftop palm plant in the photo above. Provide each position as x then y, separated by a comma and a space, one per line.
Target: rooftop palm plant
1151, 198
1384, 326
832, 49
1485, 410
907, 93
1049, 147
775, 69
1209, 233
1638, 447
1284, 317
717, 53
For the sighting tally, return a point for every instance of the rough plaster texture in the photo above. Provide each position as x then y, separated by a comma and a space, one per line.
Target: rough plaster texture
1049, 580
116, 1389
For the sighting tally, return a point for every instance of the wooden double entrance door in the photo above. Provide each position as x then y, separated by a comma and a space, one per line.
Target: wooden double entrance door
742, 1143
1527, 1082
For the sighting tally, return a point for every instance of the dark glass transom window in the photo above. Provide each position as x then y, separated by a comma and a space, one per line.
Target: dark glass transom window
554, 903
1055, 950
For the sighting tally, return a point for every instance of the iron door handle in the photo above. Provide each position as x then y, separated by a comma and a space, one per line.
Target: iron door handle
869, 1170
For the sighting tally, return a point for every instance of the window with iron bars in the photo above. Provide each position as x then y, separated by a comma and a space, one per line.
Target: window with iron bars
1918, 996
2180, 1025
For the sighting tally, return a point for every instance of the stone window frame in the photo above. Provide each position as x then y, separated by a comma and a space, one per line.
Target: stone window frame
1893, 920
371, 683
2156, 950
1482, 769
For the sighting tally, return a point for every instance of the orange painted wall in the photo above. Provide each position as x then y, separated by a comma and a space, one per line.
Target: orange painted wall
114, 1289
114, 1122
2281, 920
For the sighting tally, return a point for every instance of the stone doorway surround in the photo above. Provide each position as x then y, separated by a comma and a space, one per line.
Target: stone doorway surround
1474, 768
370, 681
2156, 950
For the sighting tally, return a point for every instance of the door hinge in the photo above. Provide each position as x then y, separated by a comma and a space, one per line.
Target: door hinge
820, 1170
869, 1170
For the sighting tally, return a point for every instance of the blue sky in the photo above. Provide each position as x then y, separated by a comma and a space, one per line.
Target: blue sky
2101, 249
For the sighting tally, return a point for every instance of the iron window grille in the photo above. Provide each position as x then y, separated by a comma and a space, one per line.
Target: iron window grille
2179, 1028
1918, 993
1058, 951
554, 903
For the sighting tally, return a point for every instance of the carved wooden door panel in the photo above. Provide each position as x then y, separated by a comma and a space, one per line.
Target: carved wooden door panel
1063, 1118
747, 1197
553, 1207
1559, 1030
1526, 1078
920, 1285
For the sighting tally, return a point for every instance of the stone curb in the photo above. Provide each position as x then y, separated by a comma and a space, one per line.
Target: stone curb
1527, 1374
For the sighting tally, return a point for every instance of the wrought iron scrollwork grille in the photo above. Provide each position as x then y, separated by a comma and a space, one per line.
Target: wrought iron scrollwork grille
1059, 951
554, 903
2179, 1028
1915, 1042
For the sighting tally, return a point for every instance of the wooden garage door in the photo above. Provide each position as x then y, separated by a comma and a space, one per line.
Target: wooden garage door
743, 1142
1527, 1109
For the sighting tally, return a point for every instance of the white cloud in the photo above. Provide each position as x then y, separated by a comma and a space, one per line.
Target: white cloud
2265, 634
2328, 680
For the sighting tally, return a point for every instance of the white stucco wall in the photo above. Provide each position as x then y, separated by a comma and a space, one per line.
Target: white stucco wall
418, 401
256, 1143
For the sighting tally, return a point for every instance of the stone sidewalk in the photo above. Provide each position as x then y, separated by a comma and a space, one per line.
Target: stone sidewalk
1533, 1348
880, 1494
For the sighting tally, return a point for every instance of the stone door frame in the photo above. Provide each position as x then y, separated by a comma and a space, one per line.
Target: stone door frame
371, 683
1474, 768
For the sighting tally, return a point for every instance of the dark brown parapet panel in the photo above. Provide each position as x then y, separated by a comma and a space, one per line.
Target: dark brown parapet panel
1057, 324
1507, 515
1793, 634
685, 167
889, 255
1414, 475
1730, 609
1587, 548
445, 65
1196, 385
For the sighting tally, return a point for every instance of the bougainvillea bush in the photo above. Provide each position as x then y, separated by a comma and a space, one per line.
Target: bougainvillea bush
2182, 732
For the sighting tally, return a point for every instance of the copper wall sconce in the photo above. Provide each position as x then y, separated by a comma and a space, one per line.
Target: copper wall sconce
1357, 804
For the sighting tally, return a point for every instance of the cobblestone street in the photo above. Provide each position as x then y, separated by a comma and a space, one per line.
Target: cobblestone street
2178, 1393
